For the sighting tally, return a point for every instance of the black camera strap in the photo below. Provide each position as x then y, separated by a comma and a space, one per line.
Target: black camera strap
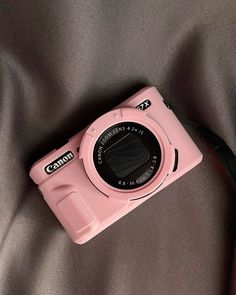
219, 145
215, 141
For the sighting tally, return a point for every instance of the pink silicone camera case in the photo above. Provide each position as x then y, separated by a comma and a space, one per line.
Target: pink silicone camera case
82, 201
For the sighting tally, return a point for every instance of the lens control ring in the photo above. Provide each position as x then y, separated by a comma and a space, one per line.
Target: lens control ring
126, 154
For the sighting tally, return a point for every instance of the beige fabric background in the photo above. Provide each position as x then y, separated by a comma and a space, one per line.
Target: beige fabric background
62, 64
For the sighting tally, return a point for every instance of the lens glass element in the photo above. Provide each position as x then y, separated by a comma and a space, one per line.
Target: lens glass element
127, 155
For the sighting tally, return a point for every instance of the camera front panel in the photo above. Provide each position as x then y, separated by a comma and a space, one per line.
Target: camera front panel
80, 175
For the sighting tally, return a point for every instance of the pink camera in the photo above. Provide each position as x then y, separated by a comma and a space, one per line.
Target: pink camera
115, 164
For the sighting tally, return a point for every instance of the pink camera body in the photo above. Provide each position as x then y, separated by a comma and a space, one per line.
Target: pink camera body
115, 164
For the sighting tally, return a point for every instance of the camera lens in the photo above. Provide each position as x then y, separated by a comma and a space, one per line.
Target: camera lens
127, 155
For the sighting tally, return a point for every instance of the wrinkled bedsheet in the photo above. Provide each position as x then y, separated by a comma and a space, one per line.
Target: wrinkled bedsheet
64, 63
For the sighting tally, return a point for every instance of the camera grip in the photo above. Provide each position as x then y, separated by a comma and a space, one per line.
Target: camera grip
76, 212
